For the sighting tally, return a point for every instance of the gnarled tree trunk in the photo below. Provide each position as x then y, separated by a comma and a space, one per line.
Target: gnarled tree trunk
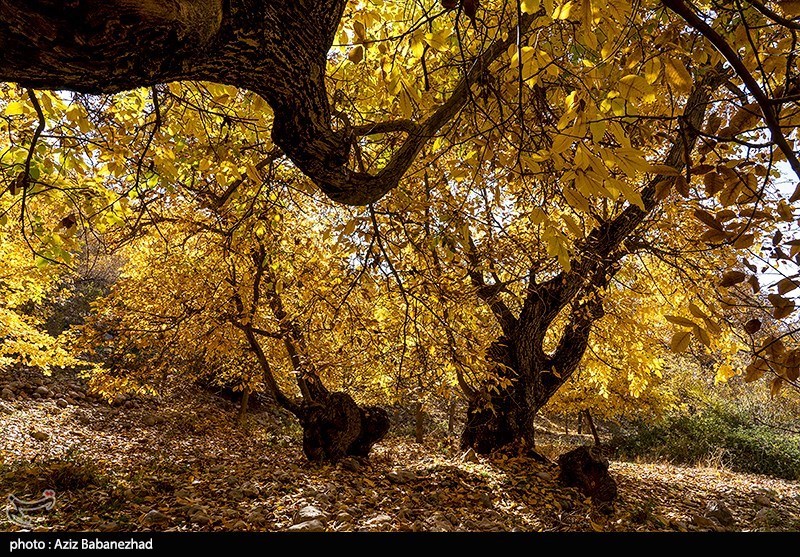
333, 424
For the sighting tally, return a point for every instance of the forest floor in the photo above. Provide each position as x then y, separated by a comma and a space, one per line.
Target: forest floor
183, 464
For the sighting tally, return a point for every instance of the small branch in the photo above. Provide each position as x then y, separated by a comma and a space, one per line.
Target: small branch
489, 293
156, 127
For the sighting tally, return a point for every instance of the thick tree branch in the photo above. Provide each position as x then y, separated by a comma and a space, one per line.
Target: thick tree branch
764, 102
274, 48
544, 301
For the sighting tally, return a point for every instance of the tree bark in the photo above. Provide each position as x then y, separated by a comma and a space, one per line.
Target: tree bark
451, 417
275, 48
591, 426
419, 423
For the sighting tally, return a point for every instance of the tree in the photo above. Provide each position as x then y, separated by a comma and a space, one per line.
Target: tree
236, 296
544, 148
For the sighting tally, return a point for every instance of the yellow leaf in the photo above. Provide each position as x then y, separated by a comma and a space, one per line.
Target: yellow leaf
562, 12
529, 6
680, 341
731, 278
696, 311
677, 74
744, 241
15, 109
786, 285
664, 170
775, 386
405, 104
356, 54
350, 227
708, 219
702, 335
744, 119
753, 372
682, 321
724, 373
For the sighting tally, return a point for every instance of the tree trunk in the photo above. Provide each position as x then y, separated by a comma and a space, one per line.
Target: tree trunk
419, 423
243, 406
451, 417
590, 421
335, 426
525, 377
496, 418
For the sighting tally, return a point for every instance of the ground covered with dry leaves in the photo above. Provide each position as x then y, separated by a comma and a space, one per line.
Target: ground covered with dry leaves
183, 464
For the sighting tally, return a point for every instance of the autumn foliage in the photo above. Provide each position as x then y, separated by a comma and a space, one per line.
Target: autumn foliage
545, 202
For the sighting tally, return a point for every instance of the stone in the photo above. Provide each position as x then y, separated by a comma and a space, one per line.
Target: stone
766, 517
704, 523
718, 510
240, 525
401, 476
470, 456
763, 500
309, 513
378, 520
62, 403
200, 518
43, 391
149, 420
8, 394
155, 517
545, 476
587, 469
350, 464
309, 526
40, 435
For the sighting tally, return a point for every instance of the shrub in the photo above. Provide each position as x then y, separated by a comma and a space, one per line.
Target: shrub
692, 439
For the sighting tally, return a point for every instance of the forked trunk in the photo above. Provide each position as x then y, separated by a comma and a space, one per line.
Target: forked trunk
498, 417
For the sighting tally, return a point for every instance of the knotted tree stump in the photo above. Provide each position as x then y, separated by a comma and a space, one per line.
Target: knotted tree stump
587, 469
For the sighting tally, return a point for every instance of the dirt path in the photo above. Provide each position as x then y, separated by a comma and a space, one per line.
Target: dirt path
183, 465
